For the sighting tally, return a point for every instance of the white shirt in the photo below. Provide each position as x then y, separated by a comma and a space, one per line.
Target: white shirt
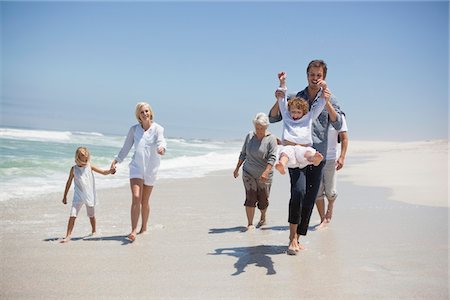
146, 143
300, 131
333, 150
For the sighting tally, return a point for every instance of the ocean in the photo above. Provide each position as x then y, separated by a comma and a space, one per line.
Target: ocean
37, 162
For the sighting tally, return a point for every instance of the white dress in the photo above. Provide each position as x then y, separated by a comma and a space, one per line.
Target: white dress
84, 191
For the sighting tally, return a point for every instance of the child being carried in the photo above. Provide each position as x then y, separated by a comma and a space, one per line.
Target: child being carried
297, 125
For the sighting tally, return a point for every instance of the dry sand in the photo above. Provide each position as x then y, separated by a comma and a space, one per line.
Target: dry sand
378, 246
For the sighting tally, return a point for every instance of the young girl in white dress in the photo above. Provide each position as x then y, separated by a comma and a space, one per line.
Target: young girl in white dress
84, 192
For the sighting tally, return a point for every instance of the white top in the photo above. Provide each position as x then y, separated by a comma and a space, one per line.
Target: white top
84, 185
333, 150
299, 131
146, 144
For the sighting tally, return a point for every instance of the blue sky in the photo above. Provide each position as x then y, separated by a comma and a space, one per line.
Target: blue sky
208, 67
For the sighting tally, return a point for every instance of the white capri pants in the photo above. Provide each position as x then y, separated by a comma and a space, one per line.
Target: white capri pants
76, 209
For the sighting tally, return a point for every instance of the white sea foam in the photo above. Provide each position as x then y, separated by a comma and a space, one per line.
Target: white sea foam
35, 135
37, 162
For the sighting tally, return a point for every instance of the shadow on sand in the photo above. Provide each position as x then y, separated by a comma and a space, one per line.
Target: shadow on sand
257, 255
231, 229
118, 238
275, 228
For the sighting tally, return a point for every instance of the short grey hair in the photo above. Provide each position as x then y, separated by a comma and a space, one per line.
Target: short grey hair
261, 119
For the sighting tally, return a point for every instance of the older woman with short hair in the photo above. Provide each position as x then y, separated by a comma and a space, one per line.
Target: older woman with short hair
258, 156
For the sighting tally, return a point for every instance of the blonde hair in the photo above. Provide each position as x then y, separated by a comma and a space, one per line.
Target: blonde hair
138, 110
82, 152
299, 103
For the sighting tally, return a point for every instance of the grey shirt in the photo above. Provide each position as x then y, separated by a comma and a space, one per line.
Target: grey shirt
320, 125
256, 154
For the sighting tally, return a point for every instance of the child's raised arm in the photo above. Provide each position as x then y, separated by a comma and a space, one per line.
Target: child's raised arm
68, 184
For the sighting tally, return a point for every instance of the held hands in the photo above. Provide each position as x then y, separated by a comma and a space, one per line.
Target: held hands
325, 90
282, 78
112, 170
326, 94
161, 150
279, 94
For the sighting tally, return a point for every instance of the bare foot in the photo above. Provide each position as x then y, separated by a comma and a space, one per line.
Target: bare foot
300, 246
250, 227
261, 223
90, 235
317, 158
293, 248
142, 231
65, 240
280, 168
323, 224
132, 237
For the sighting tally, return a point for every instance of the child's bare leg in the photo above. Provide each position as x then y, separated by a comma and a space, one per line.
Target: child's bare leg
281, 164
70, 226
93, 225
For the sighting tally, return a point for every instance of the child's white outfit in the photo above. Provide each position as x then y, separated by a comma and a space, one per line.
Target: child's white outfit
299, 131
84, 191
296, 155
146, 160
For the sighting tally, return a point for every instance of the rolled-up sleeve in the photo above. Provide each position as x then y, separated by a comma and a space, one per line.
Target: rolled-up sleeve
160, 139
272, 150
338, 123
243, 153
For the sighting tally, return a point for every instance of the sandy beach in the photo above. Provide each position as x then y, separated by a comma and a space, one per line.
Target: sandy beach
388, 238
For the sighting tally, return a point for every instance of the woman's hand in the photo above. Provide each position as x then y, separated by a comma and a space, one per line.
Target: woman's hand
264, 176
236, 173
161, 150
113, 166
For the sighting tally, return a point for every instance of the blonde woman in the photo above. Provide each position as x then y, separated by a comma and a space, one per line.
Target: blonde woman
149, 144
